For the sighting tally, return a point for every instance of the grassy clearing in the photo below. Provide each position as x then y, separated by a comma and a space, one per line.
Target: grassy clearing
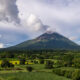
32, 76
36, 67
39, 73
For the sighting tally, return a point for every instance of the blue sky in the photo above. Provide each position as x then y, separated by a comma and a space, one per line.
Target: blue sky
22, 20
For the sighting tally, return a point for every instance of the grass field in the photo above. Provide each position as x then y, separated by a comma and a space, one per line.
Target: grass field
39, 73
31, 76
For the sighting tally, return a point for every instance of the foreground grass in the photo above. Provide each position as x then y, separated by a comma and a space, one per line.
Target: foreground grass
39, 73
31, 76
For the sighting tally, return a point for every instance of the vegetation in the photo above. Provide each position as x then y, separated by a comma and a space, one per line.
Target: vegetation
29, 68
76, 75
6, 64
32, 76
55, 64
22, 61
41, 61
49, 65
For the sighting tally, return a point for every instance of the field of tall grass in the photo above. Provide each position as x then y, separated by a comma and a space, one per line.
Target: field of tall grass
31, 76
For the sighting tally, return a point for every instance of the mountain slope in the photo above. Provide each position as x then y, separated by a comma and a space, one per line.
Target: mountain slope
48, 40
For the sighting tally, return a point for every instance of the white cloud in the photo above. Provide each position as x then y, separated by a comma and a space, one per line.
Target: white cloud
1, 45
73, 38
62, 15
55, 10
35, 24
9, 11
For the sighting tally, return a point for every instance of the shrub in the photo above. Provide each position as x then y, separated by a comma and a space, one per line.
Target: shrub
59, 64
57, 71
29, 68
62, 72
36, 62
76, 75
49, 65
68, 74
41, 61
22, 61
6, 64
76, 62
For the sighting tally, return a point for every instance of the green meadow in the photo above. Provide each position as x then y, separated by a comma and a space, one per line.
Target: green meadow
31, 76
39, 73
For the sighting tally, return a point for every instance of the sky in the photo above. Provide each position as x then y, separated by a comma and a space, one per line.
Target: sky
21, 20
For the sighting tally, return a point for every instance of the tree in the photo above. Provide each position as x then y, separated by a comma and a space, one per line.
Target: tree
59, 64
22, 61
67, 60
76, 75
76, 62
36, 62
49, 65
6, 64
41, 61
29, 68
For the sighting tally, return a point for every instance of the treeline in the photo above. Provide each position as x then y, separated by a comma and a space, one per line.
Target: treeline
73, 74
64, 58
46, 54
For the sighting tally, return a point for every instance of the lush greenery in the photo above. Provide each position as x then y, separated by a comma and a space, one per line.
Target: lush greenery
56, 64
6, 64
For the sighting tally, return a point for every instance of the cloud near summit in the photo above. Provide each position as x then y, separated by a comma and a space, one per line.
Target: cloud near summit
35, 24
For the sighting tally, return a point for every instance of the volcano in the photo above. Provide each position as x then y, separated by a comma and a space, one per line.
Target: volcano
48, 41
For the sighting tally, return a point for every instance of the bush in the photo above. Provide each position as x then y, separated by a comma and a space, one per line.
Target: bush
59, 64
68, 74
29, 68
76, 75
62, 72
76, 62
57, 71
6, 64
49, 65
35, 62
22, 61
41, 61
